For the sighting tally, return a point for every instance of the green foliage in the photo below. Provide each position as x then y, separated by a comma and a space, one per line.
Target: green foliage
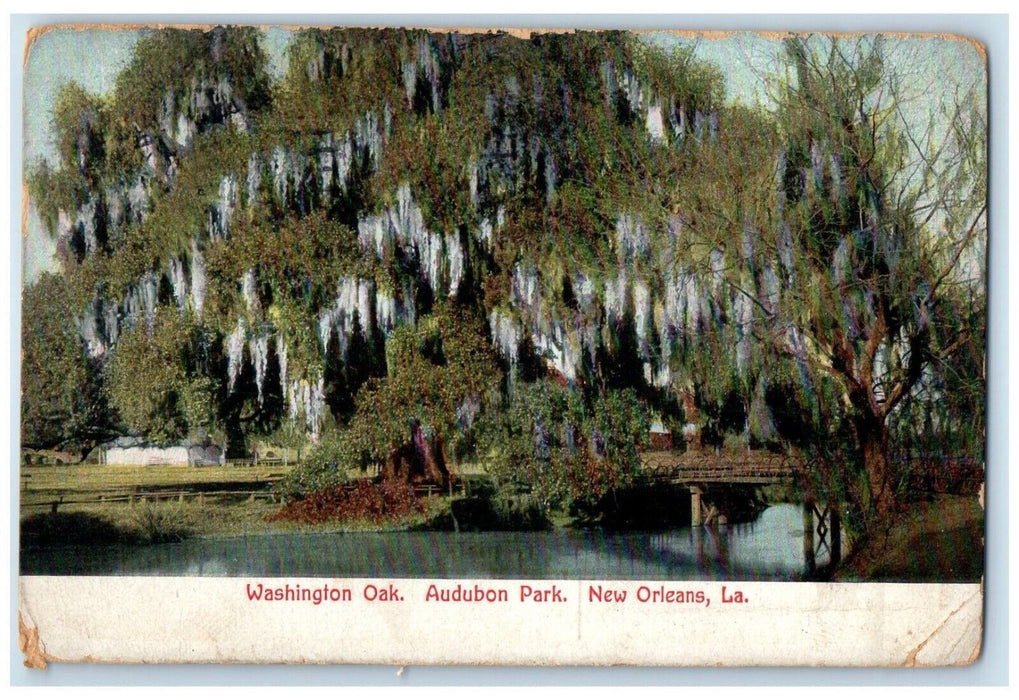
168, 68
336, 76
182, 213
172, 73
53, 190
324, 465
436, 371
678, 76
158, 523
568, 451
858, 306
927, 425
433, 371
63, 401
159, 381
80, 129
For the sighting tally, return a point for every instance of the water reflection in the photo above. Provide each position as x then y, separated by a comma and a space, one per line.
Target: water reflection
771, 548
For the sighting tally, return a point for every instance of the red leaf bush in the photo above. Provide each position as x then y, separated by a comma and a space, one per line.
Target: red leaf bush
364, 501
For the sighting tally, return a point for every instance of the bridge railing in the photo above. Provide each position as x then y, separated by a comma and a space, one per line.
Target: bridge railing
683, 467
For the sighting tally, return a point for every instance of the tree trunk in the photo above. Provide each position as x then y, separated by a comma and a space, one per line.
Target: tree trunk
873, 436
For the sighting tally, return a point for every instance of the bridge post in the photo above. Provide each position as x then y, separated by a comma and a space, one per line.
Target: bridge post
808, 536
696, 507
835, 525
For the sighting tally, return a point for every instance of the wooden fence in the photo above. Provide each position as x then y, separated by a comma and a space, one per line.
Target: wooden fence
53, 502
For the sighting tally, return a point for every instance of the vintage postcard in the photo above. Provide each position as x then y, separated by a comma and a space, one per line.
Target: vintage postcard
409, 345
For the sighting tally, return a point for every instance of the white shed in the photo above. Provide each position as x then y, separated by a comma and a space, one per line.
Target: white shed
135, 451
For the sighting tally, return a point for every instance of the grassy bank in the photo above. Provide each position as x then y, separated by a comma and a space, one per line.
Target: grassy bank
153, 523
143, 523
98, 504
940, 540
107, 503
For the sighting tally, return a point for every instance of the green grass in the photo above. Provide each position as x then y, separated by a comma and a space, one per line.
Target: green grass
151, 523
111, 477
933, 541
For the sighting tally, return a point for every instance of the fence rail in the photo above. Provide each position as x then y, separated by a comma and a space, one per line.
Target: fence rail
53, 504
53, 500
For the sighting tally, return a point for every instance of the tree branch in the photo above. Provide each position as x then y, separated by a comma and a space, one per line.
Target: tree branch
955, 257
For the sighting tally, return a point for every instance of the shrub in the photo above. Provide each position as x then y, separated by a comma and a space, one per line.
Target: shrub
156, 523
365, 501
568, 452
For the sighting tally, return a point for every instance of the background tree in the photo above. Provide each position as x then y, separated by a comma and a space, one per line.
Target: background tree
63, 402
860, 280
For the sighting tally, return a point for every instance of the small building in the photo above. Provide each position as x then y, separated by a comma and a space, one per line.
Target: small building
136, 451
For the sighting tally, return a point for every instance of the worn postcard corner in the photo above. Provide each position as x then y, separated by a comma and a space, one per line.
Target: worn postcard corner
440, 346
28, 642
957, 641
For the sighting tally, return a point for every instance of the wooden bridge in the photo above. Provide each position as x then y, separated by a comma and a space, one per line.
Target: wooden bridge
749, 467
702, 472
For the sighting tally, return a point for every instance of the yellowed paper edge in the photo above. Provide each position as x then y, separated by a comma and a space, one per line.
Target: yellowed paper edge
202, 620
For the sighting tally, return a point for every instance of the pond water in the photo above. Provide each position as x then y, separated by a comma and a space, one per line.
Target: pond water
768, 549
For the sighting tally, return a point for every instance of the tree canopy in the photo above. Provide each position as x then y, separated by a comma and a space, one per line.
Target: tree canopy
856, 294
486, 233
63, 402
